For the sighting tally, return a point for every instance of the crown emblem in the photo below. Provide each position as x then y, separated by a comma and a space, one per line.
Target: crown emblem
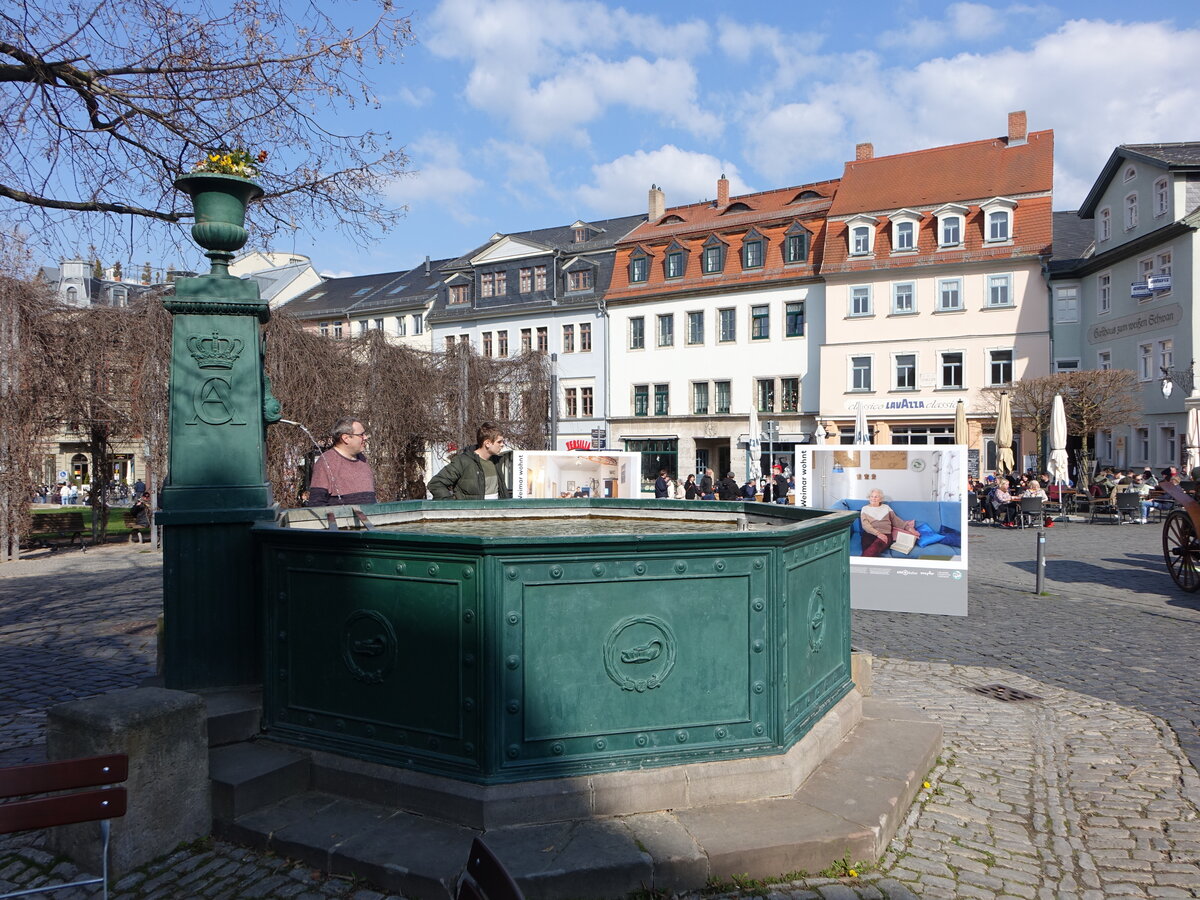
214, 352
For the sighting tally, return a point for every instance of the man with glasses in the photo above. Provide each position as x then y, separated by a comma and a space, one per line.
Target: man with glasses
476, 474
341, 475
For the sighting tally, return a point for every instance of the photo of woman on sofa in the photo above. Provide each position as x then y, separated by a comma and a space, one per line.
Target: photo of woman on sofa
880, 524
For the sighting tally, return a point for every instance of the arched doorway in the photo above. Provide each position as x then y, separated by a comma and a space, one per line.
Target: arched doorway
79, 468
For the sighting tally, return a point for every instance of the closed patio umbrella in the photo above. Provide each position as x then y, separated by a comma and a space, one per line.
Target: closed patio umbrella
754, 470
862, 434
960, 423
1058, 441
1004, 437
1193, 440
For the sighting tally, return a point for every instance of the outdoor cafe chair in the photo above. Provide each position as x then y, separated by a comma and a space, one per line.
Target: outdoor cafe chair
1128, 505
1033, 510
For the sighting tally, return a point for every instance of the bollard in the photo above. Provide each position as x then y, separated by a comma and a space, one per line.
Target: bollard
1041, 560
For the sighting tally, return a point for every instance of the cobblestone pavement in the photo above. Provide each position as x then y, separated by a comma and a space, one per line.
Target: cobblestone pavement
1084, 793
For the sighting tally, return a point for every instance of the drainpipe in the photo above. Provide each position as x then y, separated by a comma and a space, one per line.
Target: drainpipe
553, 401
602, 316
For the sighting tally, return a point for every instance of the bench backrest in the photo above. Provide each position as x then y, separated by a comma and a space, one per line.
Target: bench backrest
1128, 500
63, 808
486, 878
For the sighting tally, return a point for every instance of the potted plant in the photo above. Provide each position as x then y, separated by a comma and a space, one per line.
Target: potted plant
220, 186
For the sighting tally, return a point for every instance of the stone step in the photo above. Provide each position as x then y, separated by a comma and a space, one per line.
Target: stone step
233, 715
250, 775
851, 805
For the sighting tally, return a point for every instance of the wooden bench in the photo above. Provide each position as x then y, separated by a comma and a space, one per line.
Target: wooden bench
52, 524
65, 803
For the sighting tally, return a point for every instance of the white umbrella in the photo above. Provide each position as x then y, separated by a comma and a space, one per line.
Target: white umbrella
862, 434
1058, 442
960, 423
755, 442
1004, 437
1193, 440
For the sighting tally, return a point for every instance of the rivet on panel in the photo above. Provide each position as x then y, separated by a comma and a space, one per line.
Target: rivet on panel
513, 662
759, 728
513, 751
600, 744
721, 733
433, 569
400, 568
557, 748
514, 618
681, 736
556, 572
598, 569
468, 572
641, 740
681, 567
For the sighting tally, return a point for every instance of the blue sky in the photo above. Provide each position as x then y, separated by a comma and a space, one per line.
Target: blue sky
523, 114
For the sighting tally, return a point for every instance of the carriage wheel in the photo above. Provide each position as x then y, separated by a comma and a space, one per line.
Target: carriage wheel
1181, 550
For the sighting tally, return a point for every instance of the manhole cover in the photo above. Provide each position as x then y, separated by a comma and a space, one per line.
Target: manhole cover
1004, 693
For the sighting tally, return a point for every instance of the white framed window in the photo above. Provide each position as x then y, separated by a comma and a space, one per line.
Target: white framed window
1141, 440
1145, 362
666, 330
904, 299
861, 234
1131, 212
1104, 293
860, 300
1000, 367
1162, 197
1166, 353
695, 335
1066, 365
401, 324
727, 320
1104, 225
999, 291
1066, 303
950, 369
860, 373
904, 371
950, 222
1130, 174
1103, 360
1163, 261
997, 220
904, 236
363, 325
418, 323
950, 295
637, 333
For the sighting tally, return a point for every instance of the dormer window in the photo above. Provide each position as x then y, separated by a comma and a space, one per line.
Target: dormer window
713, 258
998, 213
581, 235
737, 206
675, 261
671, 220
862, 235
950, 220
905, 224
795, 244
754, 250
458, 294
639, 269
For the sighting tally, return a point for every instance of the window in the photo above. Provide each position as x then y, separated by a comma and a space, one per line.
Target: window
1066, 365
1166, 353
581, 235
568, 342
952, 370
585, 402
713, 258
1131, 212
1104, 226
324, 329
400, 323
860, 373
1142, 439
724, 391
1162, 197
1145, 362
570, 403
418, 322
464, 341
951, 231
1164, 268
450, 344
949, 294
656, 455
543, 340
793, 319
674, 264
337, 329
579, 280
666, 330
860, 300
379, 324
764, 391
1000, 367
904, 236
752, 254
526, 280
795, 247
1103, 360
1104, 293
860, 240
997, 225
760, 323
502, 343
728, 325
458, 294
637, 333
585, 337
1168, 444
641, 400
922, 434
906, 372
903, 302
487, 343
700, 398
695, 328
639, 269
789, 394
363, 325
526, 340
539, 278
1130, 174
494, 284
999, 291
662, 399
504, 406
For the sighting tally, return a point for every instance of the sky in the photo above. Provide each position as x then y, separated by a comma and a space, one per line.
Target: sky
522, 114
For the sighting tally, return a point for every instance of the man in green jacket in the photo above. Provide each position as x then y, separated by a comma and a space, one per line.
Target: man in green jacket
474, 474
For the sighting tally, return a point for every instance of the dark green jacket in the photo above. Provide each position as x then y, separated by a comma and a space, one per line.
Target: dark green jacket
462, 478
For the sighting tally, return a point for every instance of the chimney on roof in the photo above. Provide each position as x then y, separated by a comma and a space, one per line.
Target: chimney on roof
1018, 130
658, 203
864, 151
722, 191
427, 264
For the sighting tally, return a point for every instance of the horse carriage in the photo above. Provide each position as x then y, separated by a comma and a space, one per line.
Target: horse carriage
1181, 538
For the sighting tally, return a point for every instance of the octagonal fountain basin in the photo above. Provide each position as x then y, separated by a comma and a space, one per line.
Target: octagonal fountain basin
501, 642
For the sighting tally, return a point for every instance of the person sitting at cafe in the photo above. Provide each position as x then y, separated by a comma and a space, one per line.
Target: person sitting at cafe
1001, 501
1142, 489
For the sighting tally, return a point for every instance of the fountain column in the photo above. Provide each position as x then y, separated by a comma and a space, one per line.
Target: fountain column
217, 486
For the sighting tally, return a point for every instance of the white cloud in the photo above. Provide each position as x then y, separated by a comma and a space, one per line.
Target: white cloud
620, 187
344, 273
438, 177
422, 95
962, 22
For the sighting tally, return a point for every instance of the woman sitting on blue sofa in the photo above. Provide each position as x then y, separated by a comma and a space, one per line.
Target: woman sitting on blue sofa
880, 525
